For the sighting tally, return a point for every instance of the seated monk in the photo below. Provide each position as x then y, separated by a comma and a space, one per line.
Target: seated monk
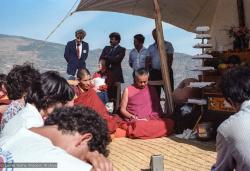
141, 108
86, 96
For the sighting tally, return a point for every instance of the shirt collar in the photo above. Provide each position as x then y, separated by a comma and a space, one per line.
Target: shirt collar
142, 49
245, 104
115, 46
76, 42
155, 44
32, 108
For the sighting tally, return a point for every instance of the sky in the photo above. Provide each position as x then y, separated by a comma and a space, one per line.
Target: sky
37, 18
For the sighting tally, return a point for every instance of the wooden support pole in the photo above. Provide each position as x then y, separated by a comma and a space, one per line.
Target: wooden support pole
241, 13
163, 59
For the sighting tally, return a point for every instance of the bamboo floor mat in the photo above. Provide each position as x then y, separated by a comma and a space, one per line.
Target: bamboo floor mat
179, 155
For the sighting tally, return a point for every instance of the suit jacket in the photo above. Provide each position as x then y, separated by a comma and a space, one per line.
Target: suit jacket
70, 56
114, 60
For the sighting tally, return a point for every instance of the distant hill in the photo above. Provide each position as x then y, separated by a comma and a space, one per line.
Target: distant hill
49, 56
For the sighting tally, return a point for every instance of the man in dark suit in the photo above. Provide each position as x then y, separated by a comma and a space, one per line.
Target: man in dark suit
114, 55
76, 53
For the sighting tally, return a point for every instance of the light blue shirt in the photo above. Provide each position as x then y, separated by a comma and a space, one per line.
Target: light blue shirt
154, 54
137, 59
233, 142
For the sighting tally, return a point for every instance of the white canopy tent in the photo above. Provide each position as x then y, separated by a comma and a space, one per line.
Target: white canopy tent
187, 14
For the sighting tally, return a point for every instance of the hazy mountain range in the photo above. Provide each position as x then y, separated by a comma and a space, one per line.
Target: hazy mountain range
49, 56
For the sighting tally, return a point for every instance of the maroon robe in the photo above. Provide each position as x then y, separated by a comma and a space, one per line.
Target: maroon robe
90, 99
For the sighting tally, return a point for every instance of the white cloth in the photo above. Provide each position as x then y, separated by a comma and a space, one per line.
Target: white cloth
98, 81
27, 146
197, 101
137, 59
187, 134
80, 49
28, 117
14, 107
200, 84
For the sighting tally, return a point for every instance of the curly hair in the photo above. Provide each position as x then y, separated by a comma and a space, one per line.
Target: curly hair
19, 80
50, 89
235, 84
82, 120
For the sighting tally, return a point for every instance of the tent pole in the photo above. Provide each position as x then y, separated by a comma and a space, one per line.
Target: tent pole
163, 59
241, 13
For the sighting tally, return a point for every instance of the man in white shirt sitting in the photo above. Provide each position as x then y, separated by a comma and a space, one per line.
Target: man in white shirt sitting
66, 139
138, 55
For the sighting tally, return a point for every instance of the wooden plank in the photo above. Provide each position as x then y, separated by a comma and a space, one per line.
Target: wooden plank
118, 95
160, 82
164, 63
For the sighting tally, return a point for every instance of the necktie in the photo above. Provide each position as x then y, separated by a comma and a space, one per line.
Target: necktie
111, 50
78, 50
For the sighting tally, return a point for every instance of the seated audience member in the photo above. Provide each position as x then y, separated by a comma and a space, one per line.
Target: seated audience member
66, 139
46, 93
19, 80
4, 101
140, 103
86, 96
233, 135
101, 80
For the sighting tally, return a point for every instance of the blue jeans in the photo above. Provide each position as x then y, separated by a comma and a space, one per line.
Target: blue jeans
103, 96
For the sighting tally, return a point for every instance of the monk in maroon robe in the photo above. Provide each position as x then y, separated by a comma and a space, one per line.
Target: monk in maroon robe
87, 96
141, 108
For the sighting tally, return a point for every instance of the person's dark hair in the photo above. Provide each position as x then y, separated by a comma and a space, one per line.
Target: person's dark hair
140, 72
19, 80
82, 72
154, 31
49, 90
235, 84
140, 38
82, 120
116, 35
104, 62
3, 80
233, 59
